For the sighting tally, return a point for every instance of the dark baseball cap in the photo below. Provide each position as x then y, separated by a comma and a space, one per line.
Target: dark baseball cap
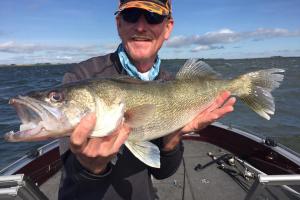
161, 7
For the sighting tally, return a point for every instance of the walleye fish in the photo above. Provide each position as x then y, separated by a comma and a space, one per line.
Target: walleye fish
152, 109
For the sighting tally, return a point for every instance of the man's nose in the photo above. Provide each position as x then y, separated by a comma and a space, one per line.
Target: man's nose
141, 24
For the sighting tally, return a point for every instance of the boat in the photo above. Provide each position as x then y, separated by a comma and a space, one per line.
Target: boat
219, 162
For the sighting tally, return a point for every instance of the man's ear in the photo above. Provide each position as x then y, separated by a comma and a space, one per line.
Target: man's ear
169, 28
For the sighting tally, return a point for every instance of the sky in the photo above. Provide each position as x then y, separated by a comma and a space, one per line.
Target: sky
67, 31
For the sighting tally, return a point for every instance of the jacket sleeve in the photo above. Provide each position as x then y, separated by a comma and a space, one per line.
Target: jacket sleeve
76, 179
78, 173
169, 161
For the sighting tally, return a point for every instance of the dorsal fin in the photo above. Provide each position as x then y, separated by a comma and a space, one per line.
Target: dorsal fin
194, 68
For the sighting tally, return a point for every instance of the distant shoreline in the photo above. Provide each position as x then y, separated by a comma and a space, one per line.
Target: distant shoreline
69, 64
37, 64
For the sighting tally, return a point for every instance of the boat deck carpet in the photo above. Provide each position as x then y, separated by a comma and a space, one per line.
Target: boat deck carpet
211, 182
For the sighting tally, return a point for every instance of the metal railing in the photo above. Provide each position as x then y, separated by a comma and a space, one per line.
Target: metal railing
19, 187
284, 181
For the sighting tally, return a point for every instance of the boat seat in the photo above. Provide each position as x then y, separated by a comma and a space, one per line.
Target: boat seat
18, 187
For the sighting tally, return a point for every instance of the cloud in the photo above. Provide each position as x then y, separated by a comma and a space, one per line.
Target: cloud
44, 58
16, 52
228, 36
20, 52
108, 48
30, 48
205, 48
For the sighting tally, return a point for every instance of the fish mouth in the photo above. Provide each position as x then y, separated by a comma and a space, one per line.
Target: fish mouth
38, 120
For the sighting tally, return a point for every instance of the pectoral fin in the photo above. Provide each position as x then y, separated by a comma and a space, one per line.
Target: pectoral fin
146, 152
139, 115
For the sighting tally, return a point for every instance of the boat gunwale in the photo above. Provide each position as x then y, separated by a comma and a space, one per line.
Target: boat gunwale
27, 158
279, 148
22, 165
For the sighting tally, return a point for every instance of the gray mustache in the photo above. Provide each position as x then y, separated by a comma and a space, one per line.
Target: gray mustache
142, 37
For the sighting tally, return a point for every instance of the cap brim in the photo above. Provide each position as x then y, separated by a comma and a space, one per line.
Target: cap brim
149, 6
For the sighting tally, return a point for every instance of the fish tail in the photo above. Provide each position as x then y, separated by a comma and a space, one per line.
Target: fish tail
256, 90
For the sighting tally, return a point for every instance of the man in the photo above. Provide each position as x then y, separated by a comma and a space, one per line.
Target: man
143, 26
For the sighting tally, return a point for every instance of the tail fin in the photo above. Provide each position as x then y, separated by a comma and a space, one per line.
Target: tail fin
259, 97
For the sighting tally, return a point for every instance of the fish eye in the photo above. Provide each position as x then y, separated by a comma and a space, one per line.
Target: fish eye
56, 96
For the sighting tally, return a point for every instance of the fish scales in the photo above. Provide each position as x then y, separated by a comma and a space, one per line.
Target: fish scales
176, 102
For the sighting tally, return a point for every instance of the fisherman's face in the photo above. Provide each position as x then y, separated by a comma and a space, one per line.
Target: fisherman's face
142, 40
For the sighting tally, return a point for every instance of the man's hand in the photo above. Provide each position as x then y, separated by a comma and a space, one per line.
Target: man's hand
95, 153
220, 107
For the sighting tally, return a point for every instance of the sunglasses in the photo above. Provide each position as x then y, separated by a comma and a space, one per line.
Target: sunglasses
132, 15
